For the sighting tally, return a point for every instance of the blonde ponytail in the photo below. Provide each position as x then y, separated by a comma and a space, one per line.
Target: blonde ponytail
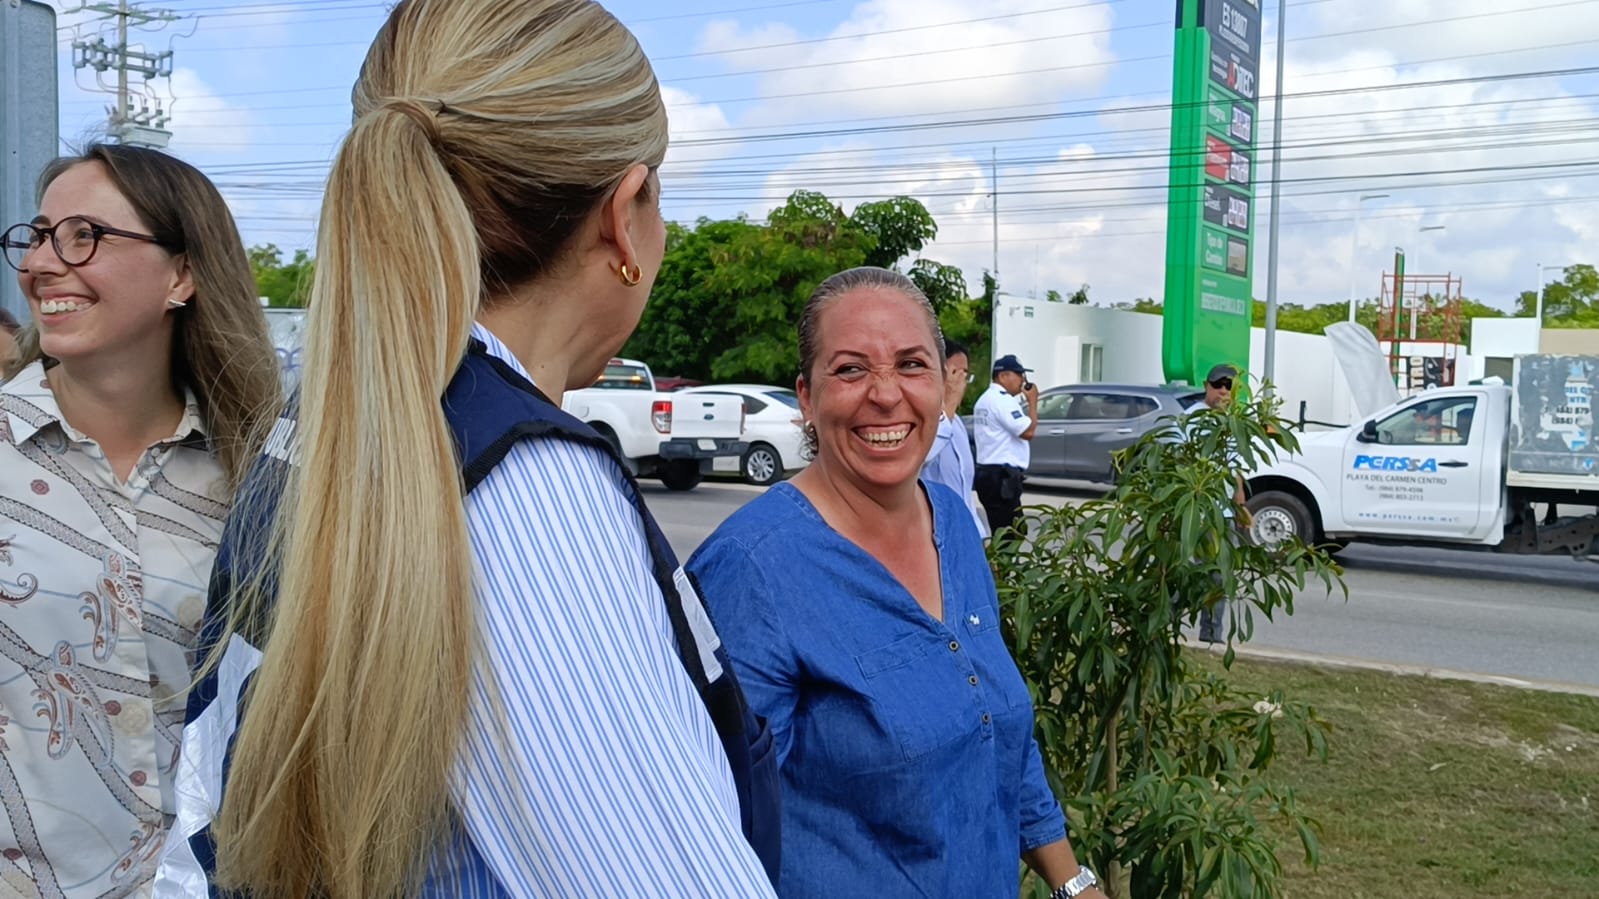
341, 766
486, 134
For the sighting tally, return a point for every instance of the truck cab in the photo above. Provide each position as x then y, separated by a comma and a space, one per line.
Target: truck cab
1430, 468
1434, 468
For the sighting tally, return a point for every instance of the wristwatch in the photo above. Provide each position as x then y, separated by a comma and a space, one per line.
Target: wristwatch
1084, 879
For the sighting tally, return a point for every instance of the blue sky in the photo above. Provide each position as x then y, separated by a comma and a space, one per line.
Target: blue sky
1506, 167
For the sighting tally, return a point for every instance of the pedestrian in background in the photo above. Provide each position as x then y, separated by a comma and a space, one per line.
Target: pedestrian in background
950, 461
9, 326
485, 674
1213, 624
861, 613
129, 412
1004, 421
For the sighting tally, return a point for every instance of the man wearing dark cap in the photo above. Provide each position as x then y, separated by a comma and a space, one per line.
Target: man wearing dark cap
1218, 393
1003, 422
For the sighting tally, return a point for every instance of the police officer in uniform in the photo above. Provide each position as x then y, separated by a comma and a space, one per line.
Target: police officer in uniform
1004, 421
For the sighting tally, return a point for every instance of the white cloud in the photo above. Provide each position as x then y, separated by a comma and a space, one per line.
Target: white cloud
886, 43
692, 120
201, 115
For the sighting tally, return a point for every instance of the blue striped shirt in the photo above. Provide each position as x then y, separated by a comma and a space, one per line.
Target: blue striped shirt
590, 766
950, 463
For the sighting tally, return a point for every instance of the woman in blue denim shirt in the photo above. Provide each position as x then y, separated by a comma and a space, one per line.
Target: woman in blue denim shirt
860, 612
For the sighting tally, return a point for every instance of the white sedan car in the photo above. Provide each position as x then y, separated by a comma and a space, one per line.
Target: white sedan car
771, 428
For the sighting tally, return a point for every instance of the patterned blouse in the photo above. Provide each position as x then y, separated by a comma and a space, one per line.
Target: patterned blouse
102, 585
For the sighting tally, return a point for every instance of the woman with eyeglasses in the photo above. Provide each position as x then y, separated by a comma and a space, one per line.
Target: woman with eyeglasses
127, 417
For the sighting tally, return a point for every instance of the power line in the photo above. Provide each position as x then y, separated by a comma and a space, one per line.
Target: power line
1302, 217
1122, 110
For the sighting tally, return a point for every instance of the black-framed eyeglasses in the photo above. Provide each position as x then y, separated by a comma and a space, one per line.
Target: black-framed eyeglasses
1222, 383
75, 240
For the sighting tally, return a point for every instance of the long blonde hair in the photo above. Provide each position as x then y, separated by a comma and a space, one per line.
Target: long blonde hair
220, 348
485, 134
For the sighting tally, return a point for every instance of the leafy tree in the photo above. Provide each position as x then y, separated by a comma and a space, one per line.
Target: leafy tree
1053, 296
898, 227
1164, 769
282, 283
729, 294
990, 297
943, 284
1079, 296
765, 276
960, 322
1572, 301
1145, 305
685, 327
807, 205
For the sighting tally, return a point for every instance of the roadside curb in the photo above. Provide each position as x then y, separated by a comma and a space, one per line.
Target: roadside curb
1246, 651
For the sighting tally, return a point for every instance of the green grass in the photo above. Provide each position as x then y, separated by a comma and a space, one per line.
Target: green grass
1440, 789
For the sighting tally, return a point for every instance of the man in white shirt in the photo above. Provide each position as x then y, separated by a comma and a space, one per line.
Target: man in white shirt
1003, 422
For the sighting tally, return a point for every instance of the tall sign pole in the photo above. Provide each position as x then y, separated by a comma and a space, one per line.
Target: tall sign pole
28, 118
1209, 300
1399, 310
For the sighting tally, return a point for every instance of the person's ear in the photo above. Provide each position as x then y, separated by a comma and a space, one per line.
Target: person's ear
181, 290
621, 218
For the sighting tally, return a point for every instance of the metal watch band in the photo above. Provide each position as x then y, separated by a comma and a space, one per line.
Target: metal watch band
1084, 879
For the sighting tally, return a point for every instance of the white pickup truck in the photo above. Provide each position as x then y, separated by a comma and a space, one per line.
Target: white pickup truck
671, 436
1487, 465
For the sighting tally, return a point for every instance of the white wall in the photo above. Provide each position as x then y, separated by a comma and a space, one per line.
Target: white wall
1503, 337
1050, 337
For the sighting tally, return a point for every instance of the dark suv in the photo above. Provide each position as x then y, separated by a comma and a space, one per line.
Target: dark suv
1081, 425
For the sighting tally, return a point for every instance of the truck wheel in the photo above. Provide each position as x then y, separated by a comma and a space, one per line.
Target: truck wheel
610, 437
762, 466
681, 474
1280, 517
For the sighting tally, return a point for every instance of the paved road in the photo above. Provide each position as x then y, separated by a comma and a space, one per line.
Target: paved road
1515, 617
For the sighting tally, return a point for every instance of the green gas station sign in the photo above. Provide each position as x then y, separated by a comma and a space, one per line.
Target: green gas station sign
1210, 200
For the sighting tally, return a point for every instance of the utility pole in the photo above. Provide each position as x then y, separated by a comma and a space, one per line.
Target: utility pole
1276, 197
993, 310
146, 126
994, 169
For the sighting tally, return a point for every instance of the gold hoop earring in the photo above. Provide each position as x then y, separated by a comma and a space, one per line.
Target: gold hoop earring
631, 279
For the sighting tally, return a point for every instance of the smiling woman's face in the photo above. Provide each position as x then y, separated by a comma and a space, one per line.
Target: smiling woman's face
875, 389
116, 302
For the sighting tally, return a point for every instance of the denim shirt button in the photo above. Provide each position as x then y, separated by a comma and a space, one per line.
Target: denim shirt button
972, 680
986, 718
954, 646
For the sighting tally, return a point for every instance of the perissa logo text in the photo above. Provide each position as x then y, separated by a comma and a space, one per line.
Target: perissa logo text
1394, 463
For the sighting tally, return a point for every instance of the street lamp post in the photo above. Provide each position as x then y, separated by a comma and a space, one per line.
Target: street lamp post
1354, 249
1538, 309
1417, 311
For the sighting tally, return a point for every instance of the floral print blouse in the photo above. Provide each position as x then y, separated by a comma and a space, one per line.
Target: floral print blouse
102, 585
